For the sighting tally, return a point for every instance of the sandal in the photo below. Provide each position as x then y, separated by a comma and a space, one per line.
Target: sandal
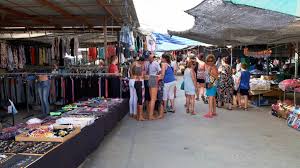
193, 113
208, 115
246, 109
215, 114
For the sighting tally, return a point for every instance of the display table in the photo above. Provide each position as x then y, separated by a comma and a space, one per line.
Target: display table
74, 151
258, 93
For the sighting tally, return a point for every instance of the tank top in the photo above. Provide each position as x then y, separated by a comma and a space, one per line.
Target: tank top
169, 75
245, 80
136, 70
208, 78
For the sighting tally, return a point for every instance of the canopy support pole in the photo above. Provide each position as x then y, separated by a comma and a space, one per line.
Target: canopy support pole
231, 59
105, 41
296, 59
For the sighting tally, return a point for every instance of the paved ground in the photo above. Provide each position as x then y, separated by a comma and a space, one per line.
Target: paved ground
235, 139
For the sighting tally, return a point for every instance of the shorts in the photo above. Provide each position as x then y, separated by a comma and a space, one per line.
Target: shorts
200, 81
235, 92
147, 92
244, 92
152, 81
169, 91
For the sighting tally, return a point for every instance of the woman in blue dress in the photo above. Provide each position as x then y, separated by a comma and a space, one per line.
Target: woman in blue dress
190, 84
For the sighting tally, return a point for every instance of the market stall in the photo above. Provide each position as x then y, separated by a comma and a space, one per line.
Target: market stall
71, 133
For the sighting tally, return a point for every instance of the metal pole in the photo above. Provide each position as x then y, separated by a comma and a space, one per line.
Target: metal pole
296, 59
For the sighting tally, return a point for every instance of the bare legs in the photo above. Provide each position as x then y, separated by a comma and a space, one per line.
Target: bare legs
140, 113
192, 104
212, 107
153, 95
200, 92
188, 100
160, 111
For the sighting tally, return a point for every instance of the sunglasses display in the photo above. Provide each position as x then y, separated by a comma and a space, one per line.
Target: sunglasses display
27, 147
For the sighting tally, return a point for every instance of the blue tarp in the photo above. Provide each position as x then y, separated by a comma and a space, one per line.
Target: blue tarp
165, 42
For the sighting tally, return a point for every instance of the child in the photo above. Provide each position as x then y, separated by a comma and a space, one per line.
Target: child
244, 86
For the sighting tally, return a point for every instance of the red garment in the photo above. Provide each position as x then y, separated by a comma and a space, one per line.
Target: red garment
113, 68
110, 51
92, 54
32, 54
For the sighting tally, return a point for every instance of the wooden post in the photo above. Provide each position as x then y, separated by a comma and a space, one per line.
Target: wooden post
105, 41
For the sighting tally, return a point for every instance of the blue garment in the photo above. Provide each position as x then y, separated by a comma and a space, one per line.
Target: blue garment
169, 75
245, 80
44, 91
211, 91
189, 86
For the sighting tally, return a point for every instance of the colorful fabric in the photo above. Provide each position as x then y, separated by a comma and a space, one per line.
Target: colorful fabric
225, 85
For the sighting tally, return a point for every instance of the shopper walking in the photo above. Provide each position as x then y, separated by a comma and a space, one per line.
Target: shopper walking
236, 77
137, 69
225, 84
200, 75
167, 74
244, 87
154, 71
190, 87
211, 73
133, 95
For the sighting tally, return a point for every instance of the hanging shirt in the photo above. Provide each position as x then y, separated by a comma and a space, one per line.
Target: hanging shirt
151, 44
92, 54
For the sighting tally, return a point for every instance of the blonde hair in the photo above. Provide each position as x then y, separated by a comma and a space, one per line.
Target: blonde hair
211, 56
190, 64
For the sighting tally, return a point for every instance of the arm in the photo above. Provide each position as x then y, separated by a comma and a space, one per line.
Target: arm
130, 69
194, 78
158, 68
163, 70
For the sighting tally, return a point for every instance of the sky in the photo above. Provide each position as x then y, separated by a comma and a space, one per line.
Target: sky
163, 15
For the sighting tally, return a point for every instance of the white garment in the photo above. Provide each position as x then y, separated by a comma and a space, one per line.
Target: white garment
151, 43
236, 77
133, 98
169, 90
238, 67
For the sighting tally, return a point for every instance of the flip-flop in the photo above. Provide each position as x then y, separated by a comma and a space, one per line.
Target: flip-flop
215, 114
193, 113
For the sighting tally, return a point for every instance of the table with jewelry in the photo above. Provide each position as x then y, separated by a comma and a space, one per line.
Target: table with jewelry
63, 139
